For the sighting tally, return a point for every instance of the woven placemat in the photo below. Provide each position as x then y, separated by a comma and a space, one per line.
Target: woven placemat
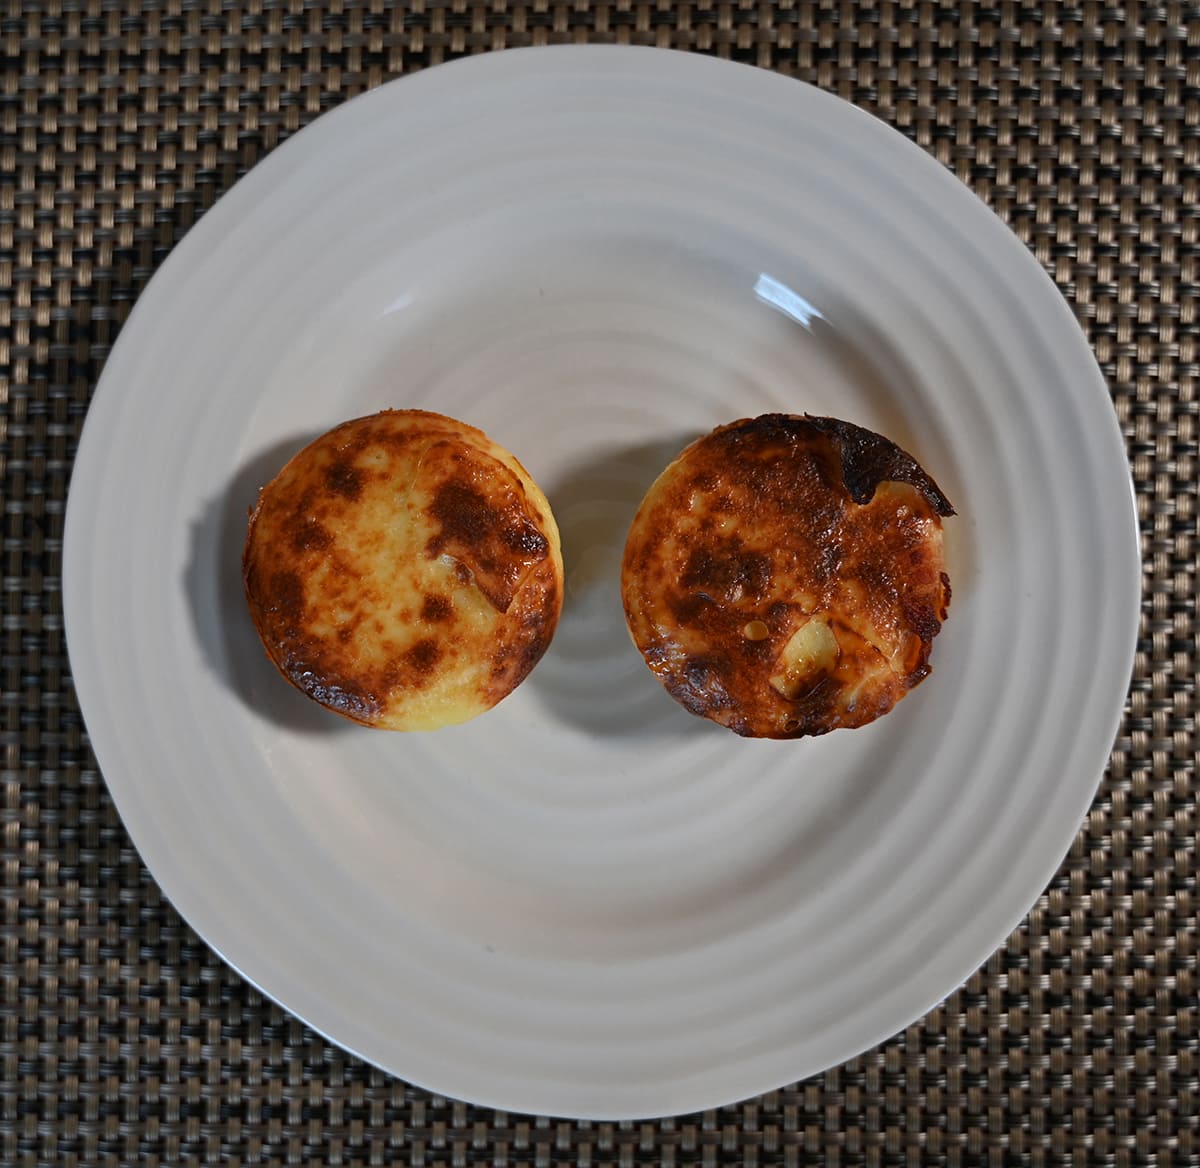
125, 1040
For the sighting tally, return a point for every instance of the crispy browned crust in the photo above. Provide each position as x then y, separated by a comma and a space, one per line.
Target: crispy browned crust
403, 570
766, 525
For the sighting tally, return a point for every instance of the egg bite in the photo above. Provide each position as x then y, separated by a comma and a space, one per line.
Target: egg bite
785, 575
404, 570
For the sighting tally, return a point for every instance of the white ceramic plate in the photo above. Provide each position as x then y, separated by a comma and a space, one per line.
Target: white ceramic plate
588, 902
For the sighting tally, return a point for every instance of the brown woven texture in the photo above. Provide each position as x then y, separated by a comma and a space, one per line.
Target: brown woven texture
125, 1040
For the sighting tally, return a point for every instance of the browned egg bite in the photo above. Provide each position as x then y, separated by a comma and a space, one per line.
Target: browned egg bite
784, 576
404, 570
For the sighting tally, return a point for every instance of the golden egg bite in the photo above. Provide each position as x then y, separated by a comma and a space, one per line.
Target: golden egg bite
404, 570
784, 576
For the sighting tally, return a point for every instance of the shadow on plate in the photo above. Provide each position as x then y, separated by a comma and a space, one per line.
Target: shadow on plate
213, 583
593, 678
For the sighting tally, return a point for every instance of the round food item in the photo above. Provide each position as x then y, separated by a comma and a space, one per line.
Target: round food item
404, 570
784, 576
